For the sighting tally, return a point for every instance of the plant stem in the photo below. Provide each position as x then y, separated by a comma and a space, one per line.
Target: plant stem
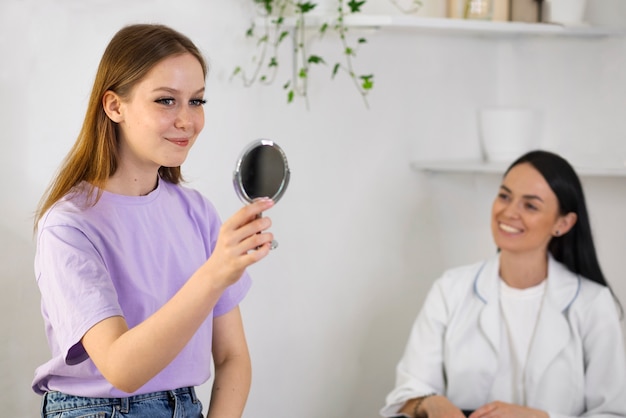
341, 28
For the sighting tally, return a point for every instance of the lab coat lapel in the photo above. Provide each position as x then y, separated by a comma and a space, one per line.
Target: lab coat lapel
486, 288
552, 333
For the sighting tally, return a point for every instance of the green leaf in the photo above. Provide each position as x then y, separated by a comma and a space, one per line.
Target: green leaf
323, 28
282, 36
348, 51
305, 7
290, 96
266, 4
315, 59
335, 70
262, 39
302, 73
355, 5
367, 82
287, 84
263, 78
362, 40
250, 32
273, 62
236, 71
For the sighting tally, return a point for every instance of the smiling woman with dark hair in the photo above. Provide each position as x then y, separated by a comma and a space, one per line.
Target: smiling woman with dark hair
532, 332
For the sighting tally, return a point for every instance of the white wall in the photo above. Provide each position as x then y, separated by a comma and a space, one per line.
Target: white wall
361, 235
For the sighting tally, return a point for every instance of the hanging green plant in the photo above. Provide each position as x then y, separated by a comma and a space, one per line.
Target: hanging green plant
276, 28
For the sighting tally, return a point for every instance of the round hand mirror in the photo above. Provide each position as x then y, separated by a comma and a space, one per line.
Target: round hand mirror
261, 171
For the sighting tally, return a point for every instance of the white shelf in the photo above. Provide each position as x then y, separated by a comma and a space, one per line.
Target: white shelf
480, 167
462, 26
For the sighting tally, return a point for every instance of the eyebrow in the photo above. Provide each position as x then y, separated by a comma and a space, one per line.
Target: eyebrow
526, 196
173, 91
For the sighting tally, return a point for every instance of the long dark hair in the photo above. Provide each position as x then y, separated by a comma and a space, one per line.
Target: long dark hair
575, 249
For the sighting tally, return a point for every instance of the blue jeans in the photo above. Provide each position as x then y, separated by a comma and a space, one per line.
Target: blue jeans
178, 403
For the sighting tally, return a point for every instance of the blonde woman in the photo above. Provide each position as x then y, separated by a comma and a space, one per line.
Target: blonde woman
140, 281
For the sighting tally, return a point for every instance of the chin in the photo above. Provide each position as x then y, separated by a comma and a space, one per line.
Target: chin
173, 162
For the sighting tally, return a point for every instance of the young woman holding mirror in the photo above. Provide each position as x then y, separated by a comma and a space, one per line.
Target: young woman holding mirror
140, 281
532, 332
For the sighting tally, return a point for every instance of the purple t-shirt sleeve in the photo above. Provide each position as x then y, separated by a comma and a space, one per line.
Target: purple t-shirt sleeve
233, 295
76, 289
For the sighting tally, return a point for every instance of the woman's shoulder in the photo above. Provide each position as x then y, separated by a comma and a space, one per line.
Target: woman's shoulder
587, 294
592, 293
586, 290
69, 211
466, 271
464, 275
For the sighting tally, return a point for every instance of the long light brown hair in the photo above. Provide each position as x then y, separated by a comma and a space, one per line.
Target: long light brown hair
130, 55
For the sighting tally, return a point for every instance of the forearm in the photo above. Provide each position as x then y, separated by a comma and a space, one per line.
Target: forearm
431, 406
413, 407
230, 388
128, 359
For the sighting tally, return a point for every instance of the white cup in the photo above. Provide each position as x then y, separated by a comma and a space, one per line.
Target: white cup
508, 132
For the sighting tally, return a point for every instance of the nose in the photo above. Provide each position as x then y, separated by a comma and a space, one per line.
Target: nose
184, 118
511, 210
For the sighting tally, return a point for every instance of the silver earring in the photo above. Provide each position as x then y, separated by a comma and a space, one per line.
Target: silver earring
557, 233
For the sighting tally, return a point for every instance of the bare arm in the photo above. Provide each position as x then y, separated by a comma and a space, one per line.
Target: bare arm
432, 407
129, 358
232, 367
506, 410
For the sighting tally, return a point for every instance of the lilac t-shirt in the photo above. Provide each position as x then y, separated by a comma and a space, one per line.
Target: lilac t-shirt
127, 255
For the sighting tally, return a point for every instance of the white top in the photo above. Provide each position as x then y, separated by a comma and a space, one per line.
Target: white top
576, 362
520, 310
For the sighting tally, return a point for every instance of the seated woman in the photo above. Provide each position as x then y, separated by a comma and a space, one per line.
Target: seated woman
533, 331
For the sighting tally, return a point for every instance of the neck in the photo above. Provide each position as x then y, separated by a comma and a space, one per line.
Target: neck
132, 183
522, 271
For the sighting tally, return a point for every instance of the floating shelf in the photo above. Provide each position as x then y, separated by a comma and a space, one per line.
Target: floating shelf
462, 26
480, 167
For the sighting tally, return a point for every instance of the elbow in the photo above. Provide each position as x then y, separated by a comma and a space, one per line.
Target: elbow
124, 381
126, 387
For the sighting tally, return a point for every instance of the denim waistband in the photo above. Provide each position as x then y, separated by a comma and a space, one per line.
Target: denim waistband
58, 401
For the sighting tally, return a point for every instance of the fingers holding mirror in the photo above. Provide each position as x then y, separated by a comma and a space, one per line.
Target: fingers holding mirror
261, 171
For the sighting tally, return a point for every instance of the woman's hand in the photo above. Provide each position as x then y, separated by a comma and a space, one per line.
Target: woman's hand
435, 406
241, 242
499, 409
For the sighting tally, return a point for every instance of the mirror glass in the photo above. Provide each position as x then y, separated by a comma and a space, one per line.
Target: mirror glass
261, 171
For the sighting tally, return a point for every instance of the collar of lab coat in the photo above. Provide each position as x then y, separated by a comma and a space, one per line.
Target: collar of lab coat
552, 332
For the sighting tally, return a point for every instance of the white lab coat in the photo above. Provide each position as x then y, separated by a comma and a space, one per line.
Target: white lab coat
576, 364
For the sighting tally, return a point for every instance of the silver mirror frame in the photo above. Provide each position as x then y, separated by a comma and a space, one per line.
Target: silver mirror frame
238, 178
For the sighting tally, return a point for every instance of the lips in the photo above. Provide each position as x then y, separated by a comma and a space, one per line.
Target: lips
182, 142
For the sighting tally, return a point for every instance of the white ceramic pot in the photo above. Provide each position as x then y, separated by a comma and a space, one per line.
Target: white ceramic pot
566, 12
508, 132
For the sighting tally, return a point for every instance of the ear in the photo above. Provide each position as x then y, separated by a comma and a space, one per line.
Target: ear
112, 104
564, 224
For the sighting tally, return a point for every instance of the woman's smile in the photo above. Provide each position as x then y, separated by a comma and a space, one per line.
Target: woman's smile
182, 142
509, 229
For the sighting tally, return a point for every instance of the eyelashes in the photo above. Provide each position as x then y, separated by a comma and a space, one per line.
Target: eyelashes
170, 101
